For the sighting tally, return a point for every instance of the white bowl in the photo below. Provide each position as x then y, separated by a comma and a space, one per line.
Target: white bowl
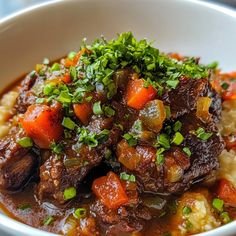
53, 29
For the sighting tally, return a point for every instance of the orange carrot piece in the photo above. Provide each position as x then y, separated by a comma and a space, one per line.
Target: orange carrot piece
110, 191
43, 124
137, 95
227, 192
83, 111
66, 79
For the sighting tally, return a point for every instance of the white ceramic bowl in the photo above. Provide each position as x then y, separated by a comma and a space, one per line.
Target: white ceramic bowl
53, 29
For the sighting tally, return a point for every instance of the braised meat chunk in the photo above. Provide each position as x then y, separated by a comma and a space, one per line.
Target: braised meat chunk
61, 172
17, 164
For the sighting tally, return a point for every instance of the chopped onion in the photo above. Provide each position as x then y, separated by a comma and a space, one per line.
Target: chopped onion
70, 225
155, 202
153, 115
203, 105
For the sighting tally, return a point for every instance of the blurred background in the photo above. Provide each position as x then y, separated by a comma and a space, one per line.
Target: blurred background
9, 6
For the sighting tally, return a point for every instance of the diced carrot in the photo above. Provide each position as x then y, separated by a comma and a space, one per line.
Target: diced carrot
66, 78
176, 56
137, 95
79, 54
74, 61
68, 63
83, 111
43, 124
110, 191
215, 83
127, 155
230, 92
230, 142
230, 80
227, 192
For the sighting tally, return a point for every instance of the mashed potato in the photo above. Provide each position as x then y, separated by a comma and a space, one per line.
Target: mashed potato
228, 166
228, 126
198, 218
6, 111
228, 119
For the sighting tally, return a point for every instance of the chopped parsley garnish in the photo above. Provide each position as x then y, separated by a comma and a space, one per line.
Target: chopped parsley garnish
71, 55
57, 148
40, 100
163, 140
131, 139
168, 112
25, 142
177, 126
69, 193
68, 123
218, 204
225, 218
109, 111
24, 206
187, 151
160, 156
92, 139
55, 67
186, 210
48, 89
48, 220
200, 132
97, 109
178, 138
225, 86
213, 65
188, 225
127, 177
108, 153
79, 213
172, 83
73, 73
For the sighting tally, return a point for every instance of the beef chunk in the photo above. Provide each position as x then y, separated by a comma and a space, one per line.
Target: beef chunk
183, 99
17, 164
27, 94
124, 219
178, 172
67, 170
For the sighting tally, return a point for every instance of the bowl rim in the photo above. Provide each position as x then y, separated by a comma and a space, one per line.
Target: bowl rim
8, 224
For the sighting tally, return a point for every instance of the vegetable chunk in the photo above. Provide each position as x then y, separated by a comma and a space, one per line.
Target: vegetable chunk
110, 191
138, 95
43, 124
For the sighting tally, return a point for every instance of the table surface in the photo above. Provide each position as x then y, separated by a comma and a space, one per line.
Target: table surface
10, 6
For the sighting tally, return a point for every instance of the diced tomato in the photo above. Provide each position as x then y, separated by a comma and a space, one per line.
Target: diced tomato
137, 95
110, 191
43, 124
227, 192
83, 111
